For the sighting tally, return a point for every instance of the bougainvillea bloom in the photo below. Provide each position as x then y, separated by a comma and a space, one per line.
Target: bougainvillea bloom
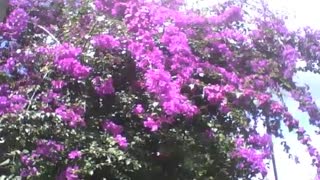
103, 87
122, 141
111, 127
69, 116
135, 84
71, 173
74, 154
105, 41
151, 124
138, 109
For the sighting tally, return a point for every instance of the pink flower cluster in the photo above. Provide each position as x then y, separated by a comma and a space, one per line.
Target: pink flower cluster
105, 41
116, 131
70, 116
188, 66
103, 87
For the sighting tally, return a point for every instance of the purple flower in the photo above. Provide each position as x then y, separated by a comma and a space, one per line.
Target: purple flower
175, 39
29, 172
105, 41
49, 148
224, 108
209, 134
305, 140
17, 22
49, 97
4, 90
26, 160
138, 109
230, 15
290, 56
175, 103
214, 93
70, 116
263, 98
17, 103
122, 141
65, 50
105, 6
276, 107
301, 131
70, 173
158, 81
312, 151
262, 141
72, 67
253, 158
80, 71
10, 65
111, 127
74, 154
103, 87
4, 104
57, 84
151, 124
119, 9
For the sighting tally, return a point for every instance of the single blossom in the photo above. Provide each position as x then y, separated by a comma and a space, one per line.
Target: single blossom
105, 41
49, 149
122, 141
58, 84
29, 172
71, 173
75, 154
103, 87
65, 50
111, 127
28, 160
151, 124
4, 104
72, 67
70, 116
16, 23
138, 109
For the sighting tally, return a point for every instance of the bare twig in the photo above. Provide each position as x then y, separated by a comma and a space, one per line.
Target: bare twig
48, 32
47, 73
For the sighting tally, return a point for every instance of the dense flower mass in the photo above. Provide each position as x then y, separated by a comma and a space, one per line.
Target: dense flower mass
70, 116
139, 89
74, 154
138, 109
103, 87
111, 127
48, 148
105, 41
72, 67
122, 141
16, 23
151, 124
70, 173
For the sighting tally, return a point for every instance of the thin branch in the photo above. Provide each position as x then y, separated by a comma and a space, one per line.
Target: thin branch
47, 73
273, 158
35, 90
48, 32
89, 33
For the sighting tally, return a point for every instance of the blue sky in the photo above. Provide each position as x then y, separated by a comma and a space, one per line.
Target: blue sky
287, 169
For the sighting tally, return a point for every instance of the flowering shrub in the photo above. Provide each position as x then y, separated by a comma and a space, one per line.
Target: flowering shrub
130, 89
